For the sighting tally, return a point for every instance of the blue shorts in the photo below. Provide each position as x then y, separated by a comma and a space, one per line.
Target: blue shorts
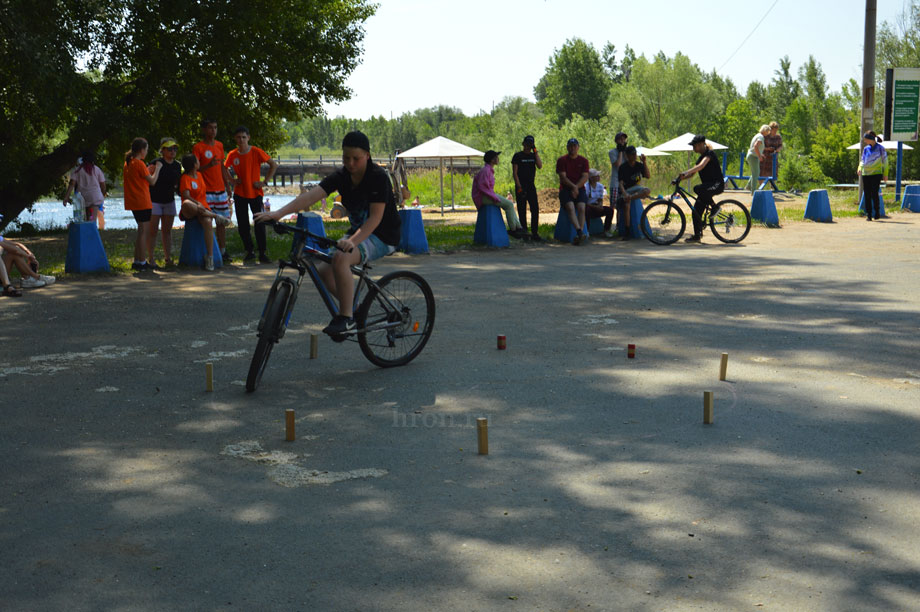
374, 248
565, 196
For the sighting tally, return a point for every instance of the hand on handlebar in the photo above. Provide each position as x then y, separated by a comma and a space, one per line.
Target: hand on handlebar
264, 217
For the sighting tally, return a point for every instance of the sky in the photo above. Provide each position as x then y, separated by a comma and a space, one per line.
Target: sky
470, 54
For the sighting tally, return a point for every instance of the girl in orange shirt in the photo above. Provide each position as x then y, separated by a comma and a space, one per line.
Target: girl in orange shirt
137, 181
195, 205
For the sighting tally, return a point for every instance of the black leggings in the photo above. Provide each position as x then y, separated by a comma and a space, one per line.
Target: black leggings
243, 206
704, 194
528, 194
871, 184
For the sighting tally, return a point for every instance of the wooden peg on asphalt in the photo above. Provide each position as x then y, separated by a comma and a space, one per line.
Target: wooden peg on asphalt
482, 431
723, 369
209, 376
707, 407
314, 346
289, 424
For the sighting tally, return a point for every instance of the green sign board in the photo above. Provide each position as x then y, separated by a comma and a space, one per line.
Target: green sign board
905, 108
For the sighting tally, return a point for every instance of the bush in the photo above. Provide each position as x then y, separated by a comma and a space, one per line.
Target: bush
798, 172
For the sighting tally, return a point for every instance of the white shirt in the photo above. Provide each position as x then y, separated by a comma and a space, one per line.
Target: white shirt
595, 194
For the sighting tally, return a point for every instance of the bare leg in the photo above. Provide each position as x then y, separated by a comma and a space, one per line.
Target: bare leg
222, 238
167, 237
140, 243
152, 228
573, 216
100, 218
581, 215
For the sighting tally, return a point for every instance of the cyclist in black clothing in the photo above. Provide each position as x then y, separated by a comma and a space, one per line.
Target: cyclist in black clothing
712, 183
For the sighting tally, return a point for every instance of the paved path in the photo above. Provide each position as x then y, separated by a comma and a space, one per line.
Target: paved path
126, 486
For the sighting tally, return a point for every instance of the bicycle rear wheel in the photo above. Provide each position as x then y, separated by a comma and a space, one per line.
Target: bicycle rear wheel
395, 320
663, 222
730, 221
272, 327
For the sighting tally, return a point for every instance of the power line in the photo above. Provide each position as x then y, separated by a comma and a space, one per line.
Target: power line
748, 36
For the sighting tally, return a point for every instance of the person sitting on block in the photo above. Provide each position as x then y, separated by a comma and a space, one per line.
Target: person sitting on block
631, 174
594, 208
484, 193
195, 206
572, 169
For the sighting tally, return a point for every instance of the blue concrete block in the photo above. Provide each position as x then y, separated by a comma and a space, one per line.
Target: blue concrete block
85, 252
763, 208
564, 231
312, 222
881, 203
635, 218
818, 207
596, 225
911, 199
636, 208
490, 228
412, 237
193, 251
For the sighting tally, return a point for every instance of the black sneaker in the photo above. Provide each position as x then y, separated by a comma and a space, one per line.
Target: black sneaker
139, 267
250, 256
340, 325
225, 257
536, 238
693, 239
263, 258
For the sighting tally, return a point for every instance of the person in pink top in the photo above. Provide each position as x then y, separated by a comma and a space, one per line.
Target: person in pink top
484, 194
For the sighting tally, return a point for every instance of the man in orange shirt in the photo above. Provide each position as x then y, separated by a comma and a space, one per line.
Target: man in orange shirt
210, 154
245, 164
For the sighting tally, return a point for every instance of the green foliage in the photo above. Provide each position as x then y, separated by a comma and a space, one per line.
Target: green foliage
735, 128
576, 81
829, 152
799, 172
95, 74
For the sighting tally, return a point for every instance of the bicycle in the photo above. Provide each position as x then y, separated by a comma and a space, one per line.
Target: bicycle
394, 315
663, 222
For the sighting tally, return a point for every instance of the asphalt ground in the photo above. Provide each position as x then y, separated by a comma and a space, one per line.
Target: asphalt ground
125, 485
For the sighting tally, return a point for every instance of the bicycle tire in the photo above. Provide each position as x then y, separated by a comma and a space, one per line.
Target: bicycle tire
731, 222
272, 327
396, 345
663, 222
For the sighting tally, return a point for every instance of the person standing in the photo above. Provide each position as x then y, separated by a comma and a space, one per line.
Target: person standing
89, 181
572, 169
163, 200
483, 193
137, 179
245, 164
210, 154
524, 166
873, 166
755, 157
773, 142
617, 158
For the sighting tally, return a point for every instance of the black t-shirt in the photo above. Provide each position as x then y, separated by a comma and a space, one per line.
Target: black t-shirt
631, 175
712, 172
167, 185
374, 187
527, 167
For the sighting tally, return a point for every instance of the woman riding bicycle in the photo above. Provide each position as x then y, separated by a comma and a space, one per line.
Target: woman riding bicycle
367, 194
712, 183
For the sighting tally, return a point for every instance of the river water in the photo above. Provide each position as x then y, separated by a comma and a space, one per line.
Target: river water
48, 214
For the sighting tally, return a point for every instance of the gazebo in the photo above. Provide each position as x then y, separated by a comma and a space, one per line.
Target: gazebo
441, 148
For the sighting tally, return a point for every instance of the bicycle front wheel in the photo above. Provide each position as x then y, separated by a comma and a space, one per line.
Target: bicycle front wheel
395, 319
730, 221
272, 327
663, 222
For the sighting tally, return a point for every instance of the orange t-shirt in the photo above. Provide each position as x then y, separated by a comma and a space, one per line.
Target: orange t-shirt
248, 169
137, 189
195, 188
213, 178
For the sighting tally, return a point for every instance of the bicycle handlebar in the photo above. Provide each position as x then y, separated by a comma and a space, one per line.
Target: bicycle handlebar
284, 228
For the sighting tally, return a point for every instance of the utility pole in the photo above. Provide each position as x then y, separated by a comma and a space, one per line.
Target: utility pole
868, 84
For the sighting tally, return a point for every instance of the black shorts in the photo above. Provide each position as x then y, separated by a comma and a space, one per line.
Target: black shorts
142, 216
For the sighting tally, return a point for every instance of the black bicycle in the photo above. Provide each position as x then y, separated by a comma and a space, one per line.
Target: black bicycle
663, 221
394, 316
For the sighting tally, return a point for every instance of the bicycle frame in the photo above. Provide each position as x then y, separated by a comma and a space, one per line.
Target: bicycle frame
690, 200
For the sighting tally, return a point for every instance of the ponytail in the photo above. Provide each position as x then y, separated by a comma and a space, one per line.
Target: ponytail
137, 145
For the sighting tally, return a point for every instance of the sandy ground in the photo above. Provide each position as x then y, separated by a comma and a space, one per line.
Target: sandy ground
126, 486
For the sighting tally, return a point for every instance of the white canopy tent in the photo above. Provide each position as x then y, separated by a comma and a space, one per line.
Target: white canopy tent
649, 152
682, 143
442, 148
888, 144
